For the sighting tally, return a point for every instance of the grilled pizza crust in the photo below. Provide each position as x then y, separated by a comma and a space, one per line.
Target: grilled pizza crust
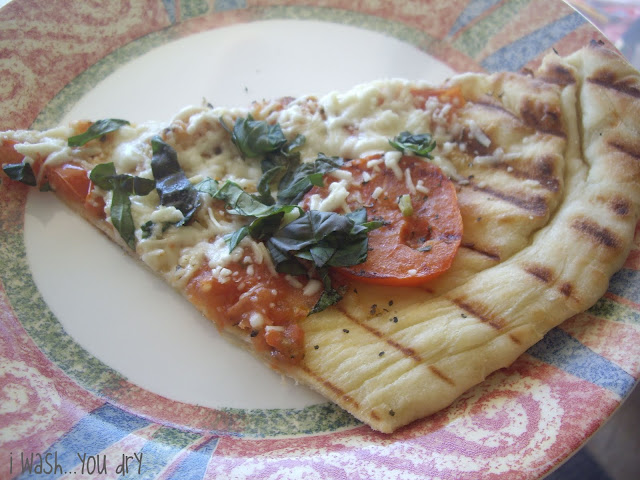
546, 168
416, 351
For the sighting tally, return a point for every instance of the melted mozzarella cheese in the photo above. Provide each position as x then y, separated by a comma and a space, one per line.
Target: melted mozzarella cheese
350, 125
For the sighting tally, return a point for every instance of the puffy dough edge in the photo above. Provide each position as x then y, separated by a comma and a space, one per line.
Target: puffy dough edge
564, 271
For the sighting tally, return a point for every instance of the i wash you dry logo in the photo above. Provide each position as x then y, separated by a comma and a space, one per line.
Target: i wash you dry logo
30, 463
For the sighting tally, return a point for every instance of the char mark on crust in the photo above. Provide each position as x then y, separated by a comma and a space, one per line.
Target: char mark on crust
406, 351
542, 273
541, 171
543, 117
607, 79
597, 233
536, 205
566, 289
497, 107
529, 120
438, 373
558, 75
476, 311
486, 253
337, 391
631, 150
515, 339
620, 206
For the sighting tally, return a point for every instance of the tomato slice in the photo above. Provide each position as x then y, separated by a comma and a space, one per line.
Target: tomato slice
72, 183
408, 249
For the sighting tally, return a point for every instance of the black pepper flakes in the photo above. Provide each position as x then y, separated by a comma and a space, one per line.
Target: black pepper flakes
316, 347
381, 354
392, 413
463, 315
394, 320
373, 309
254, 333
345, 330
390, 303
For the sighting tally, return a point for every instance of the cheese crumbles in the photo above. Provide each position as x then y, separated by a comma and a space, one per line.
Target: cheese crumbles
358, 123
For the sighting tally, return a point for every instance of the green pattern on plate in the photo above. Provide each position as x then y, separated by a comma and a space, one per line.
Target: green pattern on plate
193, 8
475, 39
58, 107
609, 310
392, 28
40, 322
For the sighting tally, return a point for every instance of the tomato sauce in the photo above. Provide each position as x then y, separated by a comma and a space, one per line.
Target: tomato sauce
266, 306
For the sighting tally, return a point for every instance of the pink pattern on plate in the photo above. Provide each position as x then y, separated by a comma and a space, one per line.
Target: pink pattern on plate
46, 46
518, 423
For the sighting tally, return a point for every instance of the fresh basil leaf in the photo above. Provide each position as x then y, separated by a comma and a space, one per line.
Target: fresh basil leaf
295, 184
135, 185
284, 262
264, 186
265, 226
236, 237
96, 130
421, 144
293, 147
147, 229
240, 202
256, 137
21, 172
322, 253
330, 296
102, 175
123, 186
309, 229
173, 186
105, 176
208, 185
121, 217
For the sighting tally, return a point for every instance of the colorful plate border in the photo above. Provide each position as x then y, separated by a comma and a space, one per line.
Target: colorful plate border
59, 400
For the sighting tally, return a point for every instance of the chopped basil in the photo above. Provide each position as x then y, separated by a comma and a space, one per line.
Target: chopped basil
174, 188
105, 176
314, 241
421, 144
311, 243
147, 229
96, 130
123, 186
330, 296
239, 202
121, 217
325, 239
296, 183
255, 138
280, 160
21, 172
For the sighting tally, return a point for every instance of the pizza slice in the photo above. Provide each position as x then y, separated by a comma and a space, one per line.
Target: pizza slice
389, 246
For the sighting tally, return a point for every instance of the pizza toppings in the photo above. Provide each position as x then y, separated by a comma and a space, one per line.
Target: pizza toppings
96, 130
421, 232
414, 144
122, 187
173, 186
21, 172
271, 234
